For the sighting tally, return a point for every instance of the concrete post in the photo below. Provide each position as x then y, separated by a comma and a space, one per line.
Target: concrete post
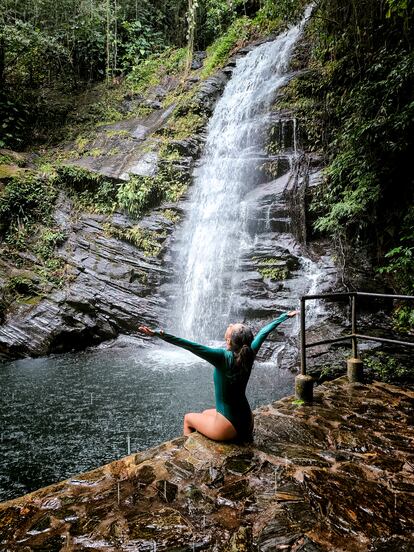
355, 370
304, 388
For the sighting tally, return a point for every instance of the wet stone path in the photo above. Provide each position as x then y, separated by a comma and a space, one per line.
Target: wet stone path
334, 476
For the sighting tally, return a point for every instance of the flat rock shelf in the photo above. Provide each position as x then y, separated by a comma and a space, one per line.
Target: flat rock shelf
334, 476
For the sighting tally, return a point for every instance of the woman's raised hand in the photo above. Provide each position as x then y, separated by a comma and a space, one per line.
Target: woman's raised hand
145, 330
292, 313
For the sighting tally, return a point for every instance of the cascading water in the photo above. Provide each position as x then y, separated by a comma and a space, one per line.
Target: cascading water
212, 236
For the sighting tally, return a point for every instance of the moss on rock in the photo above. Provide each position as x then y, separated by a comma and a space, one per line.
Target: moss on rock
272, 268
148, 241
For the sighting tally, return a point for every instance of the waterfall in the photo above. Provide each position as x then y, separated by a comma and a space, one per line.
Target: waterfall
211, 238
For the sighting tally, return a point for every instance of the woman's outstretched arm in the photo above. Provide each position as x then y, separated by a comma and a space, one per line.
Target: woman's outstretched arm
264, 332
210, 354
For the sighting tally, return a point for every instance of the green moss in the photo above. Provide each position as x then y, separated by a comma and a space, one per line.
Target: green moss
119, 133
28, 197
151, 70
183, 126
184, 100
272, 268
171, 215
241, 31
275, 273
31, 301
221, 49
96, 106
7, 171
81, 142
96, 152
90, 191
148, 241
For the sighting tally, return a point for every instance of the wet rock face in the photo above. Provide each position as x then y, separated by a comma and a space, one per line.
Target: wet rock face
326, 477
110, 288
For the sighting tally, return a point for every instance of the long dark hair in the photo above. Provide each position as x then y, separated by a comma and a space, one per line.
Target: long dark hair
240, 341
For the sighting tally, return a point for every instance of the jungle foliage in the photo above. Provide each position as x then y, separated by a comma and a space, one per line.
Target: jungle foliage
50, 51
356, 106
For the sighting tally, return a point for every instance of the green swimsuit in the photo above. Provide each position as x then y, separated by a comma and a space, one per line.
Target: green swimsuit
230, 388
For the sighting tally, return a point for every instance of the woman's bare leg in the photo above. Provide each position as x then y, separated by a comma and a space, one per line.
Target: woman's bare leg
210, 411
215, 427
188, 429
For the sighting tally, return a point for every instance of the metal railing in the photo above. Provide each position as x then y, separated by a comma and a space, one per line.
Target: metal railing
354, 335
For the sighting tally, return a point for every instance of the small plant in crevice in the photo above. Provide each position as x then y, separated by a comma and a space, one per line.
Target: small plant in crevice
21, 286
148, 241
139, 194
90, 191
26, 199
171, 215
298, 402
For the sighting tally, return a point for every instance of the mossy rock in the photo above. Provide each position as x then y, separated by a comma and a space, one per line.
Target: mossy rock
274, 273
276, 268
273, 268
8, 171
23, 283
148, 241
171, 215
13, 157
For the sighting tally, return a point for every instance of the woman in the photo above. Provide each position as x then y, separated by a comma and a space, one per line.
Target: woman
232, 417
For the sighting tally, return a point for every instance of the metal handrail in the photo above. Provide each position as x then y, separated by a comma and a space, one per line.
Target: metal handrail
354, 335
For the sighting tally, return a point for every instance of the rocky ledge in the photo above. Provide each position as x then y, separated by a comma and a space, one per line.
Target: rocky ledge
334, 476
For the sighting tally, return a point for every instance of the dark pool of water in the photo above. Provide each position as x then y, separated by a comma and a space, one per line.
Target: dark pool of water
66, 414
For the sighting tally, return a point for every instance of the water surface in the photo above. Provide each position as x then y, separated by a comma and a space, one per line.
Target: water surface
63, 415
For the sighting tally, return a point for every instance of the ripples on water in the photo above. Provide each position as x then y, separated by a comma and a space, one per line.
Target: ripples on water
67, 414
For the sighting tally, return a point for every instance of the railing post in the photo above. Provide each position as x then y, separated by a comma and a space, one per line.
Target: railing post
354, 327
303, 383
302, 337
354, 364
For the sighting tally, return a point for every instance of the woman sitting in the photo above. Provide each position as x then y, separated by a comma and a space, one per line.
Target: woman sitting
232, 418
